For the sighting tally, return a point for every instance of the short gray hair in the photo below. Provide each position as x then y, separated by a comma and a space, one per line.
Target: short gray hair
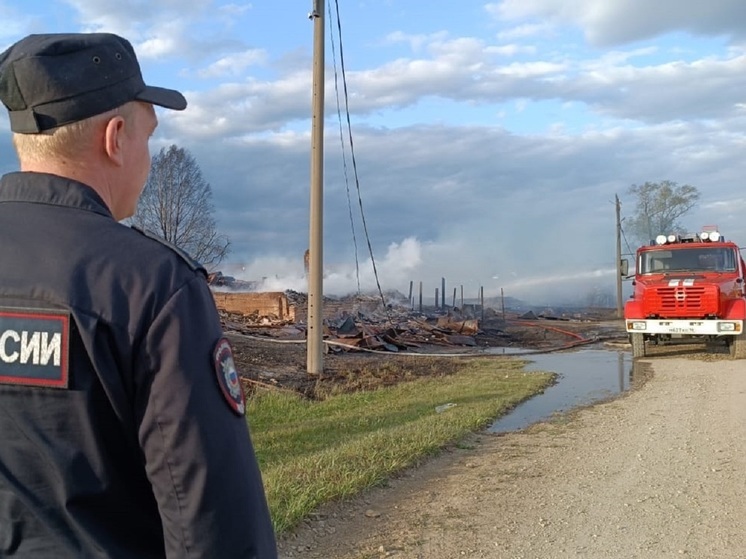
67, 142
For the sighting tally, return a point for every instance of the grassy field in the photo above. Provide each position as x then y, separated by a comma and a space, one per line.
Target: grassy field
311, 452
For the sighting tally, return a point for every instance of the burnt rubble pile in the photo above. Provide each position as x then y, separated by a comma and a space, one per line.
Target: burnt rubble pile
364, 322
218, 280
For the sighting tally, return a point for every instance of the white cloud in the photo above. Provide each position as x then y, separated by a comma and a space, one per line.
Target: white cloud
156, 47
235, 109
416, 42
524, 31
233, 65
162, 28
614, 22
234, 10
510, 50
616, 85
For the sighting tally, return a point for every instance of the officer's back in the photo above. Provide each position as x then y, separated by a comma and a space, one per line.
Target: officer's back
122, 427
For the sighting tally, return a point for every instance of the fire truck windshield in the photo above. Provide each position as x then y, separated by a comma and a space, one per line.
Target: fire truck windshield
669, 259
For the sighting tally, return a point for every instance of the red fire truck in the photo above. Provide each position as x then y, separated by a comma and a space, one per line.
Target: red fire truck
688, 286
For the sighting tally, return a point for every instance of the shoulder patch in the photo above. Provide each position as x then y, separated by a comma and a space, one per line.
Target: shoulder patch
191, 262
227, 375
34, 347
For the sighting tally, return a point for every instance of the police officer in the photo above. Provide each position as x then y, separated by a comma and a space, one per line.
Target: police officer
122, 427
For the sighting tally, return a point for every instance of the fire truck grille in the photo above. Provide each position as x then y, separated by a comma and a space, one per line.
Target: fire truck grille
693, 301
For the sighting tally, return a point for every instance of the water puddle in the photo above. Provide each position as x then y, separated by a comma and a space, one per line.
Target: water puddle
585, 377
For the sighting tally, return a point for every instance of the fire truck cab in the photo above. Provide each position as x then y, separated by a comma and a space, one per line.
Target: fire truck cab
688, 286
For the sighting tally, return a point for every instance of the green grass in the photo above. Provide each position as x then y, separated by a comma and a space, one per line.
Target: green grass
313, 452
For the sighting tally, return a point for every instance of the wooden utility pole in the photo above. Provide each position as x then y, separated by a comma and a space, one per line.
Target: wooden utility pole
315, 336
619, 303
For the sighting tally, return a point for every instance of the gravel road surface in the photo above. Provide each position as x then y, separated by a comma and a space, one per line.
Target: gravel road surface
659, 472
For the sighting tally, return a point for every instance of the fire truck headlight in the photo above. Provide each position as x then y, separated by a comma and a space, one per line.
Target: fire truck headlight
660, 239
636, 325
704, 235
714, 236
672, 238
727, 327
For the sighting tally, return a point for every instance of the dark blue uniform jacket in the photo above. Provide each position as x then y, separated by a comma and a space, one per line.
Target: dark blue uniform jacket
115, 438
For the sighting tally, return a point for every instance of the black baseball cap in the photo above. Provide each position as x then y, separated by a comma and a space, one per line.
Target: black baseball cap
50, 80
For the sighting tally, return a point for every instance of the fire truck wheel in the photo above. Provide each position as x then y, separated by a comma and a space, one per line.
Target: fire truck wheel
738, 346
638, 345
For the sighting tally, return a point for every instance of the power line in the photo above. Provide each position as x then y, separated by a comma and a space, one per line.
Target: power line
344, 156
352, 154
629, 248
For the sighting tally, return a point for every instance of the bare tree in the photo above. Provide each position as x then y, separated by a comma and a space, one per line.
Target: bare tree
658, 207
176, 205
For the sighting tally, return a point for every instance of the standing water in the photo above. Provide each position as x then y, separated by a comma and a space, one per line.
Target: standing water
584, 377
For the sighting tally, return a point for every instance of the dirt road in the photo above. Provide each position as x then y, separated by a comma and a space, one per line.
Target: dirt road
658, 473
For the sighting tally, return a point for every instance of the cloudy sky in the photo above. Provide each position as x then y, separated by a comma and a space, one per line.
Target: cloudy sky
490, 138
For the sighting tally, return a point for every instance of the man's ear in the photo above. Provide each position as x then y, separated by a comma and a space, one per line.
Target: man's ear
114, 140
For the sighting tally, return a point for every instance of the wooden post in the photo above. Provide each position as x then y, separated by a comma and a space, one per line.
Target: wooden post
481, 300
420, 296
